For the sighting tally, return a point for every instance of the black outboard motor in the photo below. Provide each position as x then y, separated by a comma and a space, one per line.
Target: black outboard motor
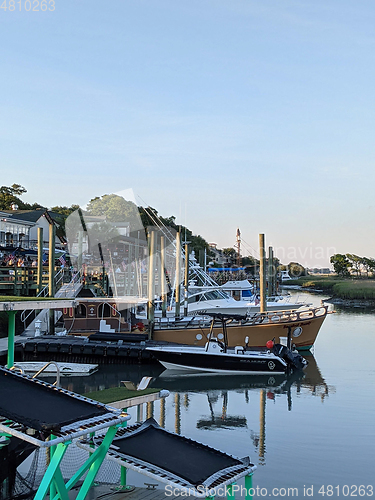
294, 360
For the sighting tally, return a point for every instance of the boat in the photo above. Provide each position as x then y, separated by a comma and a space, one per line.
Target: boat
304, 325
216, 356
232, 298
243, 290
90, 314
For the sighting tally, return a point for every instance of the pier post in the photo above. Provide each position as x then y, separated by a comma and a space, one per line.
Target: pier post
178, 271
162, 413
262, 274
51, 275
40, 261
11, 335
151, 281
163, 278
270, 272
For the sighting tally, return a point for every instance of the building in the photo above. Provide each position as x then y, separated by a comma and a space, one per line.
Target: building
19, 228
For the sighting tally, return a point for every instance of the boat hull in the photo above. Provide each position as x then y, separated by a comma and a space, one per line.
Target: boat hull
260, 364
258, 334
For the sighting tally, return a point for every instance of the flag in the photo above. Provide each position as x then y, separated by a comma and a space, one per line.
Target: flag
62, 259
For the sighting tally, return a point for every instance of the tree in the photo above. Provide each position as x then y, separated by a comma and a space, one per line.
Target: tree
296, 270
368, 265
115, 208
64, 210
341, 264
10, 195
355, 262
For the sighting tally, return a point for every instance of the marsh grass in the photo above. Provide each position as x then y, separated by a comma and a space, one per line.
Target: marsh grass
350, 288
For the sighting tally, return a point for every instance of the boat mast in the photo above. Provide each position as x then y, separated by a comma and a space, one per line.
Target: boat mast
238, 244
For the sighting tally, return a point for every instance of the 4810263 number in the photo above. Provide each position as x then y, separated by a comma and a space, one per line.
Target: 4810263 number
347, 491
28, 5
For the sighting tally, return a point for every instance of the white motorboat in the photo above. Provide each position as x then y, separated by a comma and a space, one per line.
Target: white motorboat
215, 356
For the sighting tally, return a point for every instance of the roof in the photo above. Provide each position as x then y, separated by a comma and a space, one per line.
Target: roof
32, 215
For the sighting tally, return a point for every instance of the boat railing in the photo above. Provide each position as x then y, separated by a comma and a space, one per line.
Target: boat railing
287, 316
193, 322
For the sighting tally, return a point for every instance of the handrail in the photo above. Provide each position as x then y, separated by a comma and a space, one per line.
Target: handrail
57, 383
44, 292
114, 309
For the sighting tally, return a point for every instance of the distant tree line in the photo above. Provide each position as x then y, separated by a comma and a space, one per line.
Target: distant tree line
346, 265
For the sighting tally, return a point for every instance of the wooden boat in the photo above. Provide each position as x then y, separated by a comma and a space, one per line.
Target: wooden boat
304, 325
215, 356
90, 314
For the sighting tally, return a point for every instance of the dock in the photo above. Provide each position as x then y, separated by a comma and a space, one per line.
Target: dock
79, 350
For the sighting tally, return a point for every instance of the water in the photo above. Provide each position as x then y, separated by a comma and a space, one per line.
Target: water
301, 434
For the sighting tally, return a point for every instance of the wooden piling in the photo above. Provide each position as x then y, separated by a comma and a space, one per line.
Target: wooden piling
262, 274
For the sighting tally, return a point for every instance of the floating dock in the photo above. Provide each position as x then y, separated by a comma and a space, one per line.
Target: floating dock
80, 350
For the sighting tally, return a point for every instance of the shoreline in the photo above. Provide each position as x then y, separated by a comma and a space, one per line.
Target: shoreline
345, 293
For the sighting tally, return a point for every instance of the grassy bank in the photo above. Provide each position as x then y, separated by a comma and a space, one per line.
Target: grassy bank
343, 288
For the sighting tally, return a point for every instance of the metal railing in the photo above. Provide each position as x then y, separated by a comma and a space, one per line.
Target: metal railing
59, 280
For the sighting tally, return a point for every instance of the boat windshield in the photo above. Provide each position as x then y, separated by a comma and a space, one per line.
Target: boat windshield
208, 295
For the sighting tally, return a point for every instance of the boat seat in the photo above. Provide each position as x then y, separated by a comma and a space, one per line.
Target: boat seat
239, 349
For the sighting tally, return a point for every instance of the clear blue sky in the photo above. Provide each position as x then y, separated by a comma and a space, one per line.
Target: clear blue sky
257, 114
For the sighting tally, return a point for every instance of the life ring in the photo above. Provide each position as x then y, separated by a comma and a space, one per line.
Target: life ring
275, 318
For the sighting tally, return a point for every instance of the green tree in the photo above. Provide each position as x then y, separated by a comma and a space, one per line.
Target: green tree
64, 210
341, 264
115, 208
296, 270
355, 263
368, 265
11, 195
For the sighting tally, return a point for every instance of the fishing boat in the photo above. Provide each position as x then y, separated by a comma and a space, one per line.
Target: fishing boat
108, 316
304, 325
218, 357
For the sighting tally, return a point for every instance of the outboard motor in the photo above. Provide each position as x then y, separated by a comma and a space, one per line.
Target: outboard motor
293, 358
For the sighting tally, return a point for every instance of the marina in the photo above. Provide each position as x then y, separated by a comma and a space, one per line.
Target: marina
319, 426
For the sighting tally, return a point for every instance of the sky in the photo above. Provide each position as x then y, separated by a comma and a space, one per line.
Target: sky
256, 114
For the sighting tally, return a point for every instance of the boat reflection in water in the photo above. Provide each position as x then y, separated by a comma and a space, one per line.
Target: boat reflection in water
220, 389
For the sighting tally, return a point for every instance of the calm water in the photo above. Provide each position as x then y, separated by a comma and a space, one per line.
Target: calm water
300, 433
